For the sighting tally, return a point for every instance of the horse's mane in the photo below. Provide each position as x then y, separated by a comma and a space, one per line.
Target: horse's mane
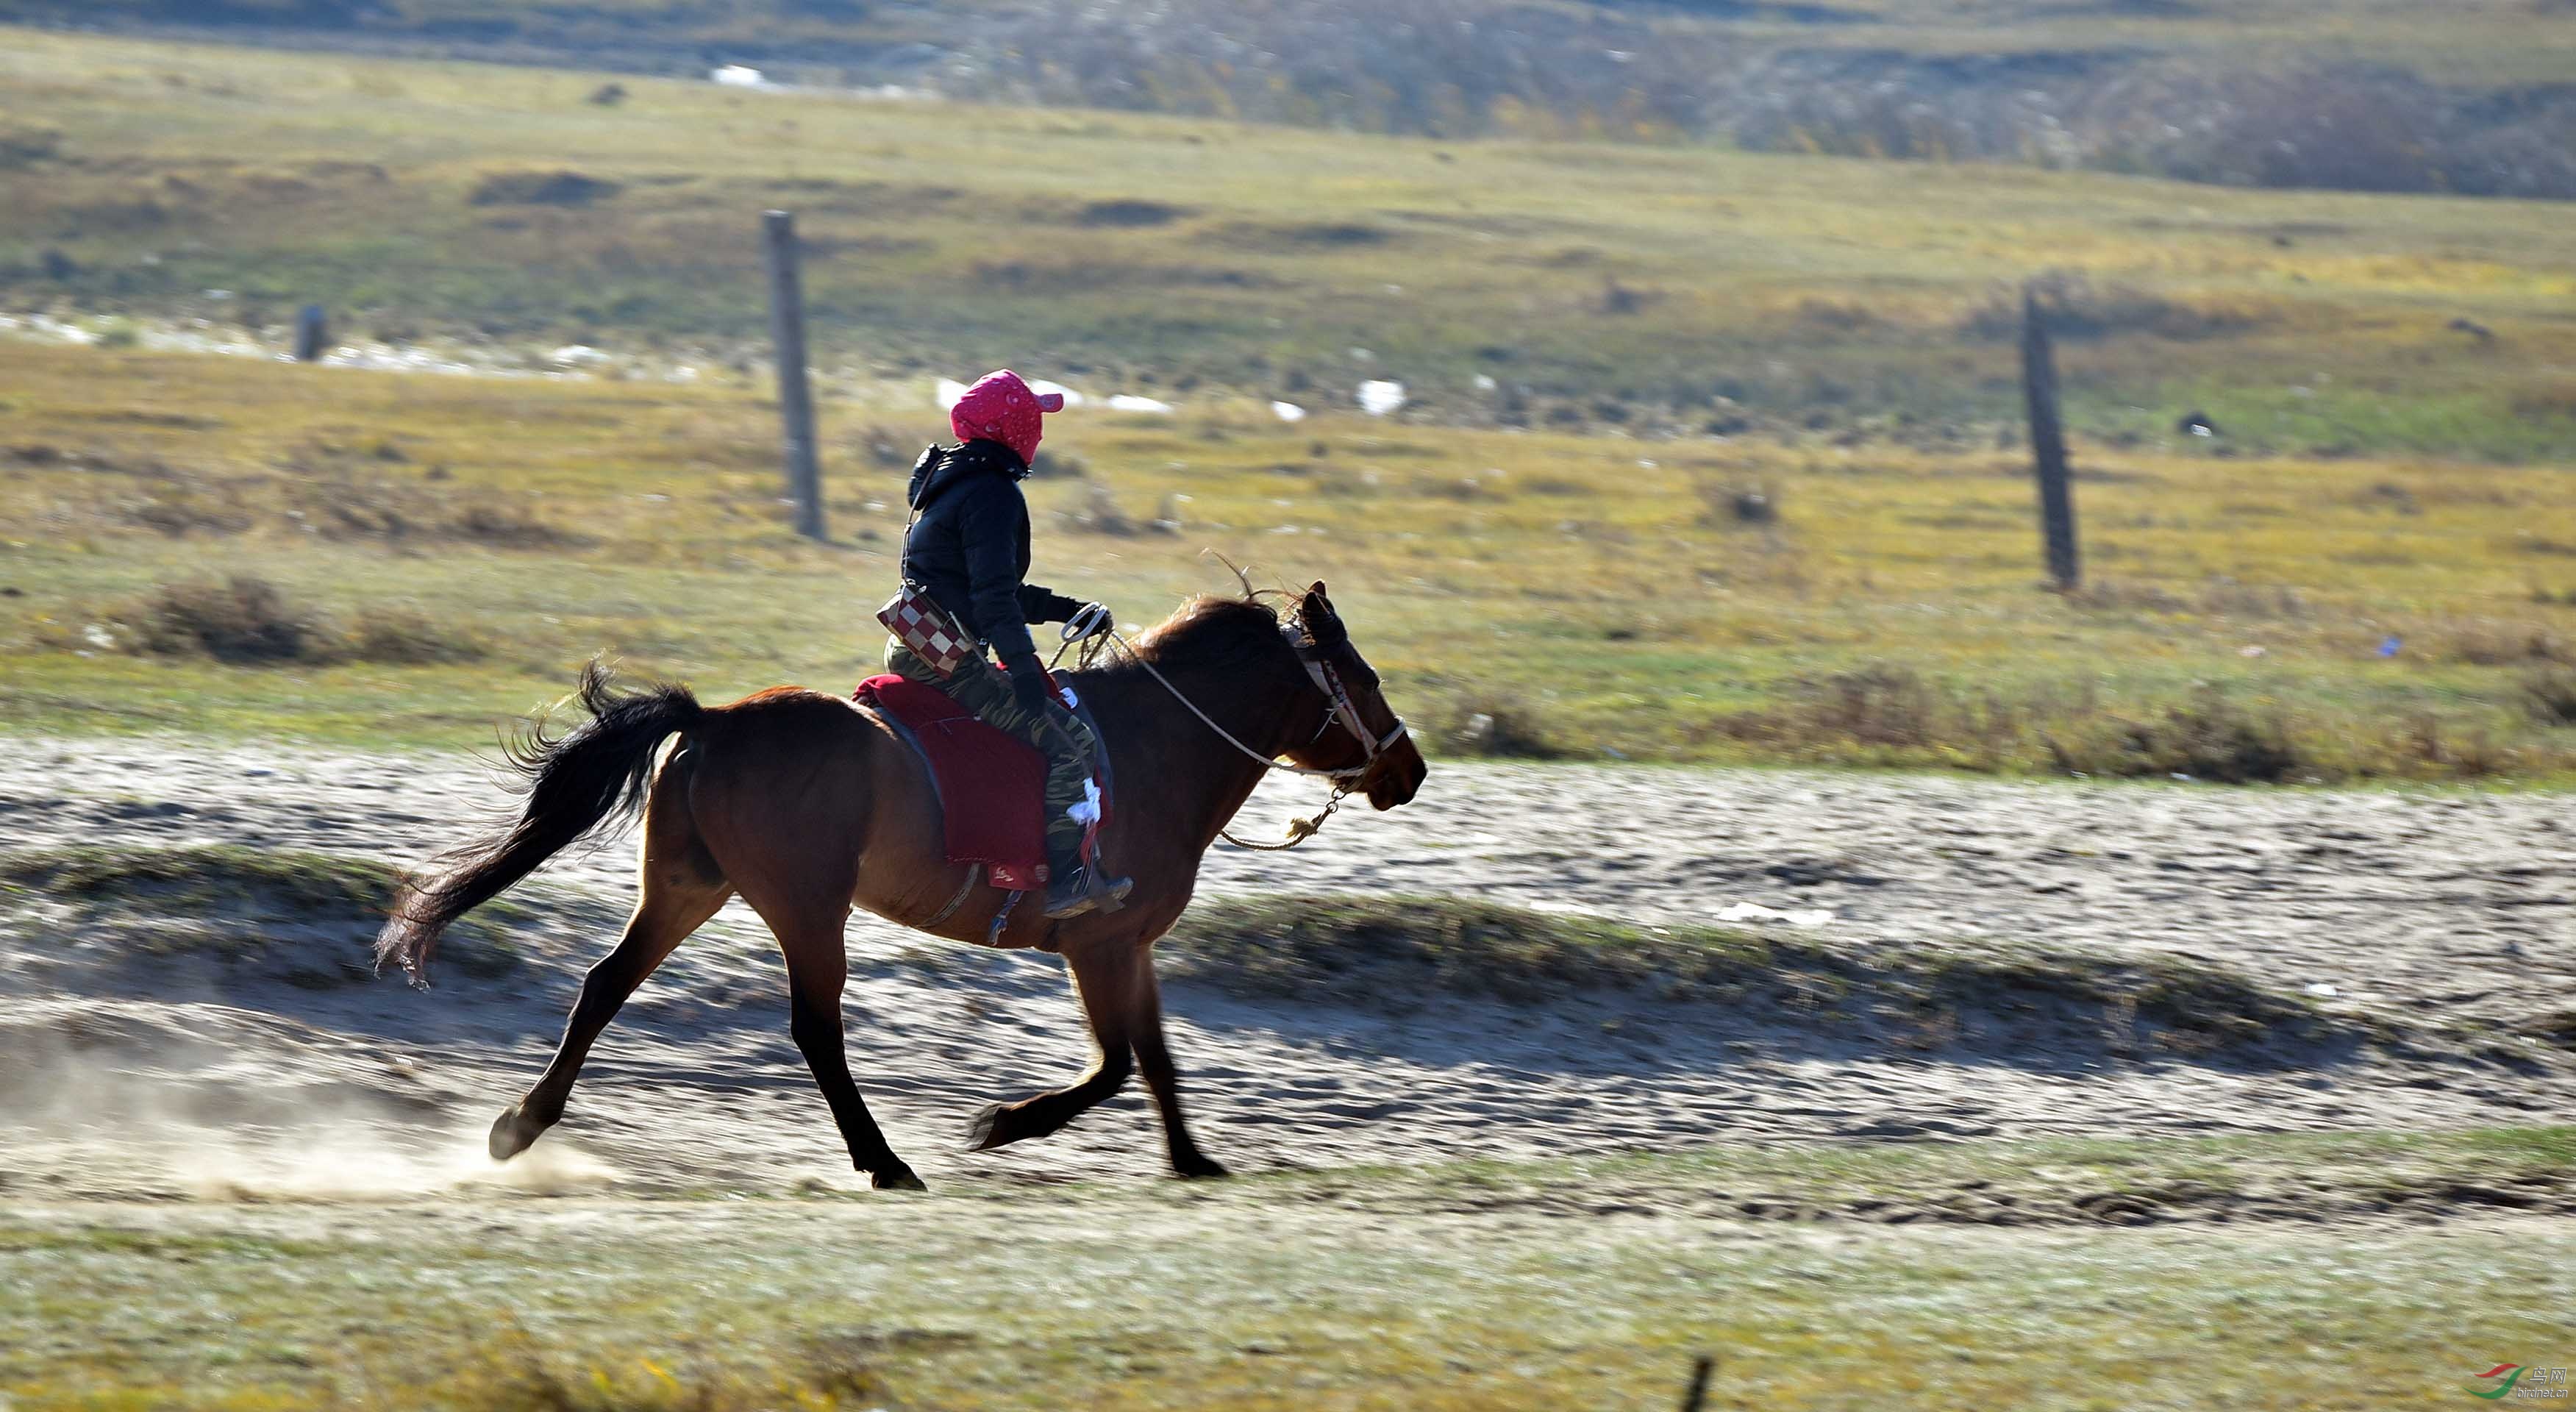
1217, 634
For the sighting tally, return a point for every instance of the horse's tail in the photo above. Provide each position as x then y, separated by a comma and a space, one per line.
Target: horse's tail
574, 782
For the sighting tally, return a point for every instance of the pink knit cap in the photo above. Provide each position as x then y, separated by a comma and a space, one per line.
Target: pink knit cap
1000, 407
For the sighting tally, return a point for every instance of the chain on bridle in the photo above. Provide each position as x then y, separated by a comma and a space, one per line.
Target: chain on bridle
1092, 626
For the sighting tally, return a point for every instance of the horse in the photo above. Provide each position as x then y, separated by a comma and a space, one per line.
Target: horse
806, 805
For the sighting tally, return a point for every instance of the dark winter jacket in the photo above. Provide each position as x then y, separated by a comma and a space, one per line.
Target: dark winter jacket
968, 547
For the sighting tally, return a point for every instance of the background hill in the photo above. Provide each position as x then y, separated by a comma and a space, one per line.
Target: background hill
2472, 97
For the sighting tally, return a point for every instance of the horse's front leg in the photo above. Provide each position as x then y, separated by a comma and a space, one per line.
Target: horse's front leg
817, 969
1104, 977
1154, 1060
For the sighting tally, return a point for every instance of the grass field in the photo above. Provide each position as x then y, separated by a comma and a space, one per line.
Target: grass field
1710, 457
1591, 1282
1601, 286
448, 549
1745, 485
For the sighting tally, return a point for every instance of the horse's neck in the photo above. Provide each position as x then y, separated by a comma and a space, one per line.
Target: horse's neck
1179, 770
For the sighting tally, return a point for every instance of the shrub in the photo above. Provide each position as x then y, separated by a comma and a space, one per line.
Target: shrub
177, 508
241, 620
2342, 126
564, 188
248, 621
1055, 465
21, 148
1467, 489
1101, 514
1621, 299
2113, 596
2550, 696
408, 637
891, 448
1438, 67
2485, 643
508, 526
2075, 308
1738, 504
1127, 213
1500, 728
2209, 738
1877, 705
2233, 598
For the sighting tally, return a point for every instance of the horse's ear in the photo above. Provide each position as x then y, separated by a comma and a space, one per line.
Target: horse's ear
1323, 626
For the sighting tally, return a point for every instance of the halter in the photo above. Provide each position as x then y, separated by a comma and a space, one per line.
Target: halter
1337, 699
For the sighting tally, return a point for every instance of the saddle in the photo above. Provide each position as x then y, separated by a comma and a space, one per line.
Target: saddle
991, 787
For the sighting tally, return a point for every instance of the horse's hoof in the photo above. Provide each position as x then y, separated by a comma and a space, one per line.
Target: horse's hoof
512, 1134
985, 1133
1199, 1167
895, 1178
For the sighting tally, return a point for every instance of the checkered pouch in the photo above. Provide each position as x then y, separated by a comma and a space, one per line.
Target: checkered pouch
926, 628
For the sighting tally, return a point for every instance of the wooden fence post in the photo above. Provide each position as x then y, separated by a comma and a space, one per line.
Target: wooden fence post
795, 393
1697, 1397
312, 334
2048, 446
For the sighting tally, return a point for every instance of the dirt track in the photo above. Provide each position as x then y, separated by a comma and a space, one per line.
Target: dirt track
2449, 910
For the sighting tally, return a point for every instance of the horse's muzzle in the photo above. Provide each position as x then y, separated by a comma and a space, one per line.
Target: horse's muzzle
1397, 777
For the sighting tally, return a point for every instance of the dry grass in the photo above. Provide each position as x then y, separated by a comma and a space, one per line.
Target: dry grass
1580, 600
297, 883
1644, 290
242, 620
1402, 953
1575, 541
307, 918
520, 1372
2550, 693
541, 189
1846, 1274
248, 621
1503, 728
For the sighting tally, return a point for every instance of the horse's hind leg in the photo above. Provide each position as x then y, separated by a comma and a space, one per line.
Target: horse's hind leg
818, 966
1104, 976
681, 889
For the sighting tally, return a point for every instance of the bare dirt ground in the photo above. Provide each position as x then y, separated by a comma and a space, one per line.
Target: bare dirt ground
133, 1076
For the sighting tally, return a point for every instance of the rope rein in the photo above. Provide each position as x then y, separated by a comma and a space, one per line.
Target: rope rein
1299, 830
1092, 628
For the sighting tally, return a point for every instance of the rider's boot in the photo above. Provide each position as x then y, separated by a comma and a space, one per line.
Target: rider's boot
1073, 889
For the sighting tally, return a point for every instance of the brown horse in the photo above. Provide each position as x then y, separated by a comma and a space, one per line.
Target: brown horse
806, 805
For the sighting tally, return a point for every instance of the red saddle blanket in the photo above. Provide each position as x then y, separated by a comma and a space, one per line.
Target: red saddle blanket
991, 787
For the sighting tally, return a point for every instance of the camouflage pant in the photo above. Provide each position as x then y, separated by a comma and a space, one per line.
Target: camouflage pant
1063, 739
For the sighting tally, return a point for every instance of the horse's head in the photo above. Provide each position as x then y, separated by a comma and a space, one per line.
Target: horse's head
1360, 731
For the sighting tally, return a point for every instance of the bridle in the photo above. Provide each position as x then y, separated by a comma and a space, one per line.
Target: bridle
1094, 622
1337, 698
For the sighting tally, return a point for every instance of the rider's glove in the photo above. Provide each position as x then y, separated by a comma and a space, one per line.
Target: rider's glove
1029, 685
1038, 605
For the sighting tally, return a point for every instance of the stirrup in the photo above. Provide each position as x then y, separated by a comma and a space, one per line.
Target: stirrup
1082, 890
1112, 894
